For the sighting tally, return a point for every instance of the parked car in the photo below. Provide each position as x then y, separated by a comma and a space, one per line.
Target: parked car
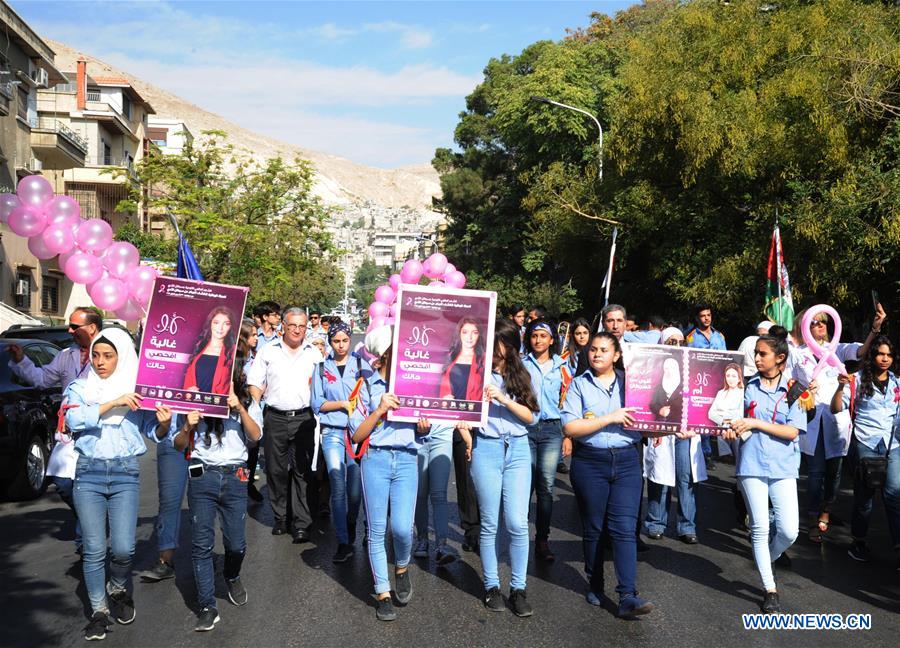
61, 336
28, 417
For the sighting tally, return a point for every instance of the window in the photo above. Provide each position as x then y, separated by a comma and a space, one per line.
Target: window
126, 105
22, 103
50, 294
23, 286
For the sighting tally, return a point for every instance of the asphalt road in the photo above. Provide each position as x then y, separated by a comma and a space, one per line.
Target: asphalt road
298, 597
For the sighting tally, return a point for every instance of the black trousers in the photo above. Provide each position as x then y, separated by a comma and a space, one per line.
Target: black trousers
289, 444
469, 518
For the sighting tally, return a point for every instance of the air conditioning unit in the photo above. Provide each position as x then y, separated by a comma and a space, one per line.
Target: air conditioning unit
41, 78
22, 288
36, 165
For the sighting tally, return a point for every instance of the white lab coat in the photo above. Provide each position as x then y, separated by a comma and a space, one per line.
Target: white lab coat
659, 461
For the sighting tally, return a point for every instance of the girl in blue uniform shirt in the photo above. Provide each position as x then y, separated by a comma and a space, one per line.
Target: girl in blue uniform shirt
544, 437
218, 486
501, 468
875, 434
769, 457
606, 472
332, 384
108, 427
389, 475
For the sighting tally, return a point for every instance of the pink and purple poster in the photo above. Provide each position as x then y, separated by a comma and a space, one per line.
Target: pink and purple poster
188, 346
443, 344
675, 387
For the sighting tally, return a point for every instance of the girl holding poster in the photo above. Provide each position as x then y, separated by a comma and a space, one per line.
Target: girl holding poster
463, 374
218, 488
108, 428
389, 475
209, 369
545, 437
606, 472
501, 468
769, 457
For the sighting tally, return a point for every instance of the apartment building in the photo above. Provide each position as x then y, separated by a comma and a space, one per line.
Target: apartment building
29, 145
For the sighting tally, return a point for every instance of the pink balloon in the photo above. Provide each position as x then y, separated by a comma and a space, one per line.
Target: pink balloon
378, 309
37, 248
455, 279
63, 209
394, 281
450, 269
437, 283
121, 258
435, 265
64, 258
83, 268
384, 294
89, 286
34, 190
389, 321
8, 202
58, 238
375, 323
93, 235
130, 311
27, 221
140, 283
393, 311
109, 293
411, 272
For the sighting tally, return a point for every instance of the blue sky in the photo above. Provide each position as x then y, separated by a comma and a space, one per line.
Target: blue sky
380, 83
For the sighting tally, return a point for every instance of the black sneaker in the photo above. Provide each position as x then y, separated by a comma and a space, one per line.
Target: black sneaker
124, 605
237, 593
159, 572
384, 609
343, 554
543, 552
770, 604
445, 554
207, 619
403, 587
562, 468
493, 600
519, 602
95, 630
859, 551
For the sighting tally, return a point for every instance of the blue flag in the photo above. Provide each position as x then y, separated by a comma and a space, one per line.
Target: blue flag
187, 268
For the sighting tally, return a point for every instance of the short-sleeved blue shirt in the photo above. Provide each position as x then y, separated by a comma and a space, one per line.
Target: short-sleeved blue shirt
501, 421
587, 395
876, 416
764, 455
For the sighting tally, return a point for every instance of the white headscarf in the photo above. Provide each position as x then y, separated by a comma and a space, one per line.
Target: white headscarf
671, 378
99, 390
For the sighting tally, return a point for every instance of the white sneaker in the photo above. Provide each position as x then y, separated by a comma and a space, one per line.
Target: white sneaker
421, 550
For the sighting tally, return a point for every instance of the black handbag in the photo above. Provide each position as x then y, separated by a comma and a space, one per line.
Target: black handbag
872, 471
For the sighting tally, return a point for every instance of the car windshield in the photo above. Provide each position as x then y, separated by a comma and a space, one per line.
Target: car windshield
6, 377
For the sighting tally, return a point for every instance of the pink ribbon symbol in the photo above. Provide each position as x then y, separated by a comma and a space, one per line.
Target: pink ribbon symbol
826, 354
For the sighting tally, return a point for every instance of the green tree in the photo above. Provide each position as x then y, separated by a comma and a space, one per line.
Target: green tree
150, 245
368, 277
250, 222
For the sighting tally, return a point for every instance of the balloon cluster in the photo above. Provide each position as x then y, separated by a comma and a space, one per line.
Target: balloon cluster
436, 268
111, 271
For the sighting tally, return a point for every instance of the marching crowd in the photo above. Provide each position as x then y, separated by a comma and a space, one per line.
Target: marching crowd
318, 408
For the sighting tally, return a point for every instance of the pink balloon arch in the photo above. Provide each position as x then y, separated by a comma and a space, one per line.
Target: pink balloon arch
435, 271
111, 270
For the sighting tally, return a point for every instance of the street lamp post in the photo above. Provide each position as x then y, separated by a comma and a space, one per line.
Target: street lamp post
559, 104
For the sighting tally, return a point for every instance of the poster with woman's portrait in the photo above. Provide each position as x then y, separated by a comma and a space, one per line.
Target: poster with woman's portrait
680, 389
654, 384
442, 353
187, 350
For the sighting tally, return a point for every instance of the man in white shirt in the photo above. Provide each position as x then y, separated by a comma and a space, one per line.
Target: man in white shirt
282, 371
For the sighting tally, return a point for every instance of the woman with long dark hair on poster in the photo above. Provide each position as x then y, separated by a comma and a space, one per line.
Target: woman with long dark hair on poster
463, 375
209, 369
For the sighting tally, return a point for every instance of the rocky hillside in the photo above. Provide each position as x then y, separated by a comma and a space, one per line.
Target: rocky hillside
339, 181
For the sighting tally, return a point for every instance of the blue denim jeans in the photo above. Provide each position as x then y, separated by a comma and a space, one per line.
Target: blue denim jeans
545, 441
389, 479
217, 491
863, 496
435, 461
171, 478
767, 547
64, 487
607, 485
343, 477
107, 492
659, 497
823, 479
501, 470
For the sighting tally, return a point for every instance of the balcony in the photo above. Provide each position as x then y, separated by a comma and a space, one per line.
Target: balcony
99, 108
57, 145
103, 161
7, 96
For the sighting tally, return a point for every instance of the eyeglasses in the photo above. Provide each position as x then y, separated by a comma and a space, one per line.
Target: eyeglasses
313, 317
295, 327
817, 323
75, 327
